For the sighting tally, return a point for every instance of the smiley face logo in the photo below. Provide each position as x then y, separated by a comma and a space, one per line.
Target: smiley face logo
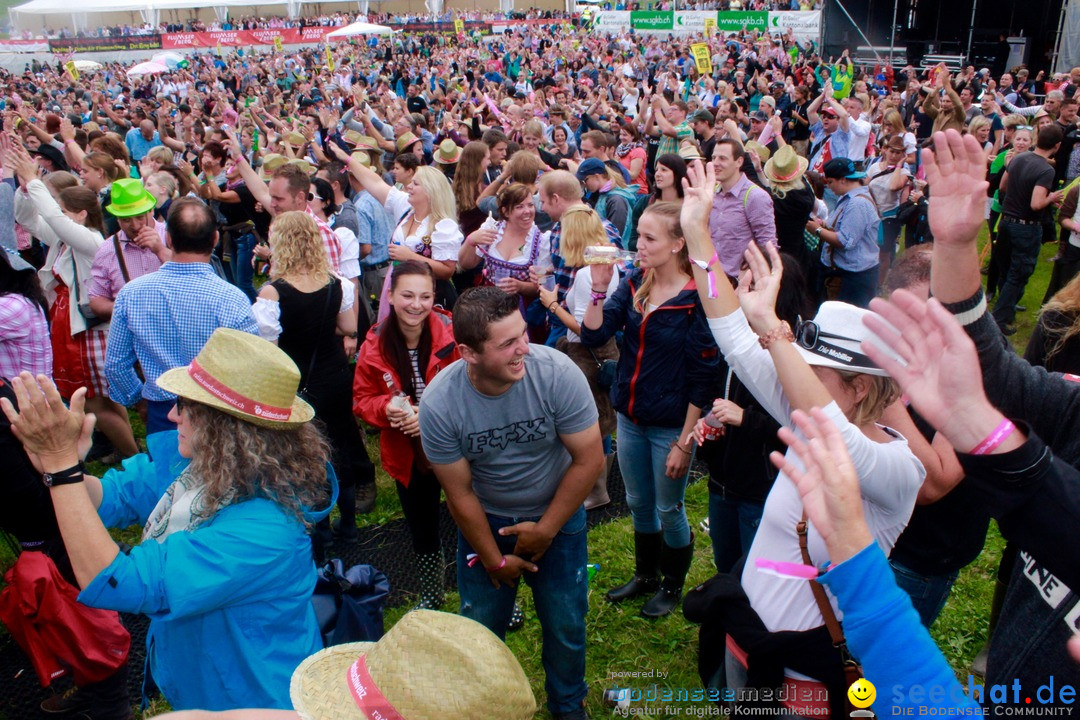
862, 692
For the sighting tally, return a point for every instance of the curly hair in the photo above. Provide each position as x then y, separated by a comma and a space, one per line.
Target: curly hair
237, 461
297, 247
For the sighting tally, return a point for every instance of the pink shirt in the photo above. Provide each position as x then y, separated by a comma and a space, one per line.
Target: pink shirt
24, 337
107, 278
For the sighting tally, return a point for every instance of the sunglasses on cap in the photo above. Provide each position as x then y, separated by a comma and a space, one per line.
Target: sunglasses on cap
1025, 127
810, 336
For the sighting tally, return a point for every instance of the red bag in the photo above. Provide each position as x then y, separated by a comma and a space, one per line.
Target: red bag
54, 629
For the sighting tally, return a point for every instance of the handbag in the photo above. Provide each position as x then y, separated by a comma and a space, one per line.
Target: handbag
349, 603
91, 318
605, 378
852, 669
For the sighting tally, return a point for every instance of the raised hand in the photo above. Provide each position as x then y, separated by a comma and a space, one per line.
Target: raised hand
699, 189
956, 175
759, 286
939, 371
827, 482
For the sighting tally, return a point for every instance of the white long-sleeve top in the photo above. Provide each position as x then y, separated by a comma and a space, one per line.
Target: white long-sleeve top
71, 245
889, 476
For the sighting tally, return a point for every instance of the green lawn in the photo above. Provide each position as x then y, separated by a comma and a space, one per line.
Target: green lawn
621, 641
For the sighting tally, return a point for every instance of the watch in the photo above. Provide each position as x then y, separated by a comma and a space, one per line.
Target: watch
64, 477
818, 230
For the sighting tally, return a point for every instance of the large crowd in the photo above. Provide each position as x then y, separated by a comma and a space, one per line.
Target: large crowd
520, 259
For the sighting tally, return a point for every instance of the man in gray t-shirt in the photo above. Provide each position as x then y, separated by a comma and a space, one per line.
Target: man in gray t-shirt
511, 432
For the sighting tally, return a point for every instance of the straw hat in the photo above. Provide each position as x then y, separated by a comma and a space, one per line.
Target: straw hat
245, 376
295, 139
352, 137
366, 142
270, 163
689, 151
785, 167
362, 157
406, 141
448, 152
303, 164
758, 149
129, 199
430, 666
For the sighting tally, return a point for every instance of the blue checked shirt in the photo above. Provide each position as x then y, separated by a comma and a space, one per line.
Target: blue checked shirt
564, 275
162, 320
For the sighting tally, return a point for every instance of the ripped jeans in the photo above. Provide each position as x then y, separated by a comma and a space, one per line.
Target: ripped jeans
655, 500
560, 591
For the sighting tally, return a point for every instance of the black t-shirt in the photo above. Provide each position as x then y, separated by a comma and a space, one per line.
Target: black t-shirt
707, 146
416, 104
244, 210
1026, 172
801, 131
946, 536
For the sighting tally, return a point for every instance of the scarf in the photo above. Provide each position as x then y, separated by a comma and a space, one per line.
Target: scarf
624, 149
180, 508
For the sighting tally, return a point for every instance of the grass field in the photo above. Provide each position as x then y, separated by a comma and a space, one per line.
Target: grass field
619, 640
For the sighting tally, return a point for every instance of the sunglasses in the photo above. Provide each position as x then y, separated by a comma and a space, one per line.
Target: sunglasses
810, 336
182, 404
1025, 127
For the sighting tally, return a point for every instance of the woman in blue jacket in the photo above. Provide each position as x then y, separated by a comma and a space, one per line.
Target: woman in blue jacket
225, 568
668, 364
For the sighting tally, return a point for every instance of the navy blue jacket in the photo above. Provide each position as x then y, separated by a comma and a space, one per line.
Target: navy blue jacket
667, 359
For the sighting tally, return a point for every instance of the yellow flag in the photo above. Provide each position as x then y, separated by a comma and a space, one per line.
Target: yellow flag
702, 58
710, 27
459, 27
72, 70
329, 59
219, 49
277, 44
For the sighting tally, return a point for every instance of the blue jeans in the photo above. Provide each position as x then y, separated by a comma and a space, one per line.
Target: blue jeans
240, 266
157, 416
928, 593
1026, 243
856, 288
732, 524
560, 591
655, 500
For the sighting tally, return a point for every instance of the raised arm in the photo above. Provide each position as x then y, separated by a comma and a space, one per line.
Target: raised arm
254, 183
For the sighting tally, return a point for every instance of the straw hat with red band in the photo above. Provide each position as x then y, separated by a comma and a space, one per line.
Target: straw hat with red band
785, 167
245, 376
429, 666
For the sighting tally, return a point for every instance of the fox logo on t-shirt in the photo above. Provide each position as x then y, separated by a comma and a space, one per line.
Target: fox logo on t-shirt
522, 431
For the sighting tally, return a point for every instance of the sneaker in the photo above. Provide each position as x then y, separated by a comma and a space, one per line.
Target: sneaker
365, 498
1008, 330
1021, 308
704, 527
517, 619
68, 701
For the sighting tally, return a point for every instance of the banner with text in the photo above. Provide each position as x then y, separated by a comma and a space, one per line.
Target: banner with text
806, 25
105, 44
237, 38
803, 25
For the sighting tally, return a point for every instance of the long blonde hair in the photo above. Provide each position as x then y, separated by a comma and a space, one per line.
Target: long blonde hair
1065, 301
581, 228
441, 203
669, 212
297, 247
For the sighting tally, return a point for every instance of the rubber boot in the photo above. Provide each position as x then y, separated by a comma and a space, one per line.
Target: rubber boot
430, 570
646, 569
674, 565
599, 497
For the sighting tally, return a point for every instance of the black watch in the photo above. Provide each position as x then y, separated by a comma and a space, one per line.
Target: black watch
64, 477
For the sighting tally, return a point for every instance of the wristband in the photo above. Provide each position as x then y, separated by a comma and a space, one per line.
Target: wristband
68, 476
713, 293
597, 297
995, 438
553, 306
500, 566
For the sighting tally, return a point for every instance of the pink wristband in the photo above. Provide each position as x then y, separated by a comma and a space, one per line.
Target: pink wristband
713, 293
1002, 431
500, 566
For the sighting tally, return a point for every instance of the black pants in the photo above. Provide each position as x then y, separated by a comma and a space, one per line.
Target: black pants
420, 503
1066, 268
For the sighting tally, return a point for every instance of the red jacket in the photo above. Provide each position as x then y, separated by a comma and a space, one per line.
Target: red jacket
370, 396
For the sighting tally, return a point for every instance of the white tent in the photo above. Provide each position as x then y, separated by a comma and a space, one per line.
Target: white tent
359, 28
150, 10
